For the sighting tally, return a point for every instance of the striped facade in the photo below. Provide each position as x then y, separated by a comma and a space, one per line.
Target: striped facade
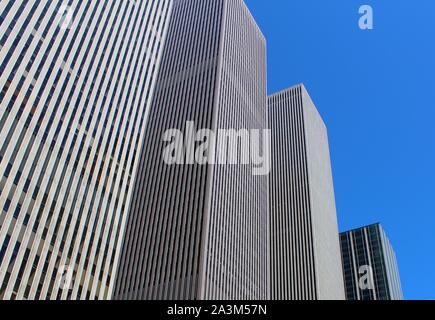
370, 246
305, 254
200, 231
76, 81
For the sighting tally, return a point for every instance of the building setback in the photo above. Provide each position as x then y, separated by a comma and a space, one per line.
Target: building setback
76, 82
370, 265
200, 231
305, 253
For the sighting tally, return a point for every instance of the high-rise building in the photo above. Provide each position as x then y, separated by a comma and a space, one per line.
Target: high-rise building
305, 252
370, 265
76, 81
199, 231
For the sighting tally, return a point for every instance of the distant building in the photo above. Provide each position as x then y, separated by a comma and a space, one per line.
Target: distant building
369, 264
305, 250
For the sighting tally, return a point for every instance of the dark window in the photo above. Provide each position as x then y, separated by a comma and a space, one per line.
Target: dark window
7, 205
8, 170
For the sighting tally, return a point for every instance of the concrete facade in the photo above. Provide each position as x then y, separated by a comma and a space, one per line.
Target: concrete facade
305, 252
200, 231
76, 84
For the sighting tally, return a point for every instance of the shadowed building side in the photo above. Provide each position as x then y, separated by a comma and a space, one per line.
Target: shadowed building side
369, 265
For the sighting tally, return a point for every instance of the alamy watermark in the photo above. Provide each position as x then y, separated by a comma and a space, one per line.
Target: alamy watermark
366, 280
66, 277
366, 19
224, 147
65, 17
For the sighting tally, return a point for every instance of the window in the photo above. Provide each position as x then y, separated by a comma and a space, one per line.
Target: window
7, 205
8, 170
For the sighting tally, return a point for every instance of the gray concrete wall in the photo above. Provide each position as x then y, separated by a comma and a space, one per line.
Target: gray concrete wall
329, 274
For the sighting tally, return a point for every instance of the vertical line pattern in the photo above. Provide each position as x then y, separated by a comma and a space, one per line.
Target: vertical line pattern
292, 260
369, 247
75, 99
177, 234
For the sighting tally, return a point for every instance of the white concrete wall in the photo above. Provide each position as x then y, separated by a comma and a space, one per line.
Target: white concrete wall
329, 274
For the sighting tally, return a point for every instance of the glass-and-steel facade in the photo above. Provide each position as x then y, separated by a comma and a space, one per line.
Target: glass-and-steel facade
370, 265
76, 81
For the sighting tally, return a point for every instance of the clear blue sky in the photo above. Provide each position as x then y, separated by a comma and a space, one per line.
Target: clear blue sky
376, 92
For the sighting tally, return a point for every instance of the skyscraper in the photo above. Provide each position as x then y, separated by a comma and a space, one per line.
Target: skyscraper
200, 231
76, 82
305, 253
370, 265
